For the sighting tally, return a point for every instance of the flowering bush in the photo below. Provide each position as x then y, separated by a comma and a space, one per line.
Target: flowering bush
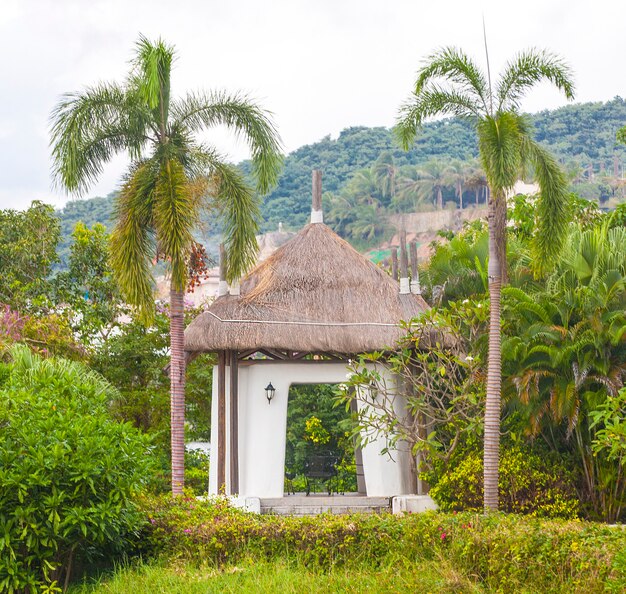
314, 431
503, 553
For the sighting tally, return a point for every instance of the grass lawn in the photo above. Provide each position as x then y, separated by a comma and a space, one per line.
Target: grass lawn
435, 578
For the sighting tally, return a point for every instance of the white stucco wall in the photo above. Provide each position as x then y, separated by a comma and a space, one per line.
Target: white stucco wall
263, 428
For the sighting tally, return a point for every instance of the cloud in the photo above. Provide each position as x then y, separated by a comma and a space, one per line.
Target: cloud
320, 66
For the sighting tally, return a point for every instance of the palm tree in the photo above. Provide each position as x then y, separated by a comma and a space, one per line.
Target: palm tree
364, 187
171, 179
369, 222
342, 210
410, 195
386, 174
450, 83
458, 172
433, 177
477, 181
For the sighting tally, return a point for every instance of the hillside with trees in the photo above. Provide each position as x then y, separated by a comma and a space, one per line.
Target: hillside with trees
582, 136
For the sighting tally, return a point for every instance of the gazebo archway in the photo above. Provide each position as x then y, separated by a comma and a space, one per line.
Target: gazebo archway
322, 454
262, 431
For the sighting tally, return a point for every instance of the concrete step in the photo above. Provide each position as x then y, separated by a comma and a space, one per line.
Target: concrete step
296, 505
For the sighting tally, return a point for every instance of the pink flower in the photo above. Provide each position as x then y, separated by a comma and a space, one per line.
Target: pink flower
443, 536
187, 530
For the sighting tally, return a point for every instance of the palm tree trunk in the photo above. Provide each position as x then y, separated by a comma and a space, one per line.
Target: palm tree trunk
494, 363
439, 198
177, 389
499, 224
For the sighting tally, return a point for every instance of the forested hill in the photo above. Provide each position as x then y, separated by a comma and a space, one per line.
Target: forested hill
580, 135
354, 149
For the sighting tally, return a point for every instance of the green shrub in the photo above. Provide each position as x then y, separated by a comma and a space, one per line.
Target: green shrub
68, 473
529, 483
502, 553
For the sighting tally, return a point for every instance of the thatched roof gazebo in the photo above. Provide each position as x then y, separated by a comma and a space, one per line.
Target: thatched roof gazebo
314, 295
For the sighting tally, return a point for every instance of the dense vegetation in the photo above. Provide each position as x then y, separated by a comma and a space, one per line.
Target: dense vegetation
79, 314
69, 472
564, 378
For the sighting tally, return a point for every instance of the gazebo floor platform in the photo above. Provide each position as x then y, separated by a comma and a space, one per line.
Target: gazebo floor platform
311, 505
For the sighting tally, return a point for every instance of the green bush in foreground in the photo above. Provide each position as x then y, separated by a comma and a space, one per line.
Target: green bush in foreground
68, 473
504, 553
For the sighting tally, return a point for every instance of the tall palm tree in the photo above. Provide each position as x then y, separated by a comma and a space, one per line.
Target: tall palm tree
171, 179
450, 83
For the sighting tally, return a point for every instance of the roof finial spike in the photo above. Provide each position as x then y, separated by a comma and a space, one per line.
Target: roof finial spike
222, 288
317, 216
404, 264
415, 275
394, 263
235, 288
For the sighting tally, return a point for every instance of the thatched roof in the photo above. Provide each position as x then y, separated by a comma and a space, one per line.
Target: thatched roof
314, 294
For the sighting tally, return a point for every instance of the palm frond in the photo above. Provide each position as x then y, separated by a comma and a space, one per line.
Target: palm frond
431, 102
132, 242
245, 118
175, 217
33, 371
456, 66
88, 128
499, 142
238, 206
552, 205
526, 70
241, 212
153, 65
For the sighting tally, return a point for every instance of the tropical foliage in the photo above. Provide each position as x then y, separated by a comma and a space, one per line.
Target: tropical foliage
566, 352
564, 347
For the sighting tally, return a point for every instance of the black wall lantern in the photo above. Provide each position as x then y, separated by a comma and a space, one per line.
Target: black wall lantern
269, 392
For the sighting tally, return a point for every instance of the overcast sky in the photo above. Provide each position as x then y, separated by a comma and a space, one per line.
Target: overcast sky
318, 65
